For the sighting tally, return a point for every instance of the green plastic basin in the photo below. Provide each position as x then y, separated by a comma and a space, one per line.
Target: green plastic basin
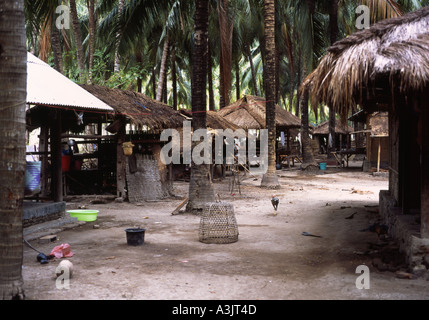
84, 215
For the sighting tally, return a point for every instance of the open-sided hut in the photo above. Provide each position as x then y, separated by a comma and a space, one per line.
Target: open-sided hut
214, 120
55, 104
249, 113
215, 124
386, 68
142, 171
342, 135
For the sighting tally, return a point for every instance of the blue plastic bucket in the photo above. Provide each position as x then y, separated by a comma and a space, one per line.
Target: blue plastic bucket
322, 165
32, 177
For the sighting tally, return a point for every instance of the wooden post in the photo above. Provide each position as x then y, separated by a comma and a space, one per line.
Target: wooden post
56, 160
120, 163
378, 157
287, 141
423, 128
43, 147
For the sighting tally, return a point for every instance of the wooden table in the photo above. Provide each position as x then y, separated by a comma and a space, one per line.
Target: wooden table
288, 158
345, 155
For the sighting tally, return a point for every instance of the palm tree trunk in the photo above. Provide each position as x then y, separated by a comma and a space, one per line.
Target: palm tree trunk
164, 91
225, 29
163, 70
237, 80
222, 102
117, 64
299, 77
269, 179
91, 18
153, 79
210, 79
290, 56
139, 61
77, 37
333, 30
174, 77
13, 79
307, 150
200, 184
277, 75
252, 69
56, 48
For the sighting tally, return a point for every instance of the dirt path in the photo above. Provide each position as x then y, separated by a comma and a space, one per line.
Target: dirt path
271, 260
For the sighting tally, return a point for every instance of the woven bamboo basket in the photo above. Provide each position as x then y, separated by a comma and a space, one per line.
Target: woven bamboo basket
218, 223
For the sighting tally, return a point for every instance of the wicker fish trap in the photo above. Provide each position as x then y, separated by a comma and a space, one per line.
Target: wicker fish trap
218, 223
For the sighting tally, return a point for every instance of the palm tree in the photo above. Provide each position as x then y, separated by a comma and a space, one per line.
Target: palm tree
162, 80
225, 31
247, 26
333, 37
77, 37
269, 179
117, 63
200, 185
91, 37
13, 80
306, 22
42, 33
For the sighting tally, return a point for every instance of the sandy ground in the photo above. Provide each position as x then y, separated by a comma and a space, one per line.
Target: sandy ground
272, 260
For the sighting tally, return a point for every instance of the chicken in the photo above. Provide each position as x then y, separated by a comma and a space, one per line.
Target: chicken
275, 203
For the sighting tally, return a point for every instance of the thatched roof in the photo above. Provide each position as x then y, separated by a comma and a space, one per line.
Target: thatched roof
368, 64
214, 120
323, 128
138, 108
249, 113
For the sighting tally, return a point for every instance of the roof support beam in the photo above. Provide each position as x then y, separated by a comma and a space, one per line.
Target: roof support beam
57, 173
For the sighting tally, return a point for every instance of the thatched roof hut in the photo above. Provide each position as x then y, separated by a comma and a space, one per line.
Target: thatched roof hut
357, 69
138, 108
213, 119
323, 128
249, 113
386, 68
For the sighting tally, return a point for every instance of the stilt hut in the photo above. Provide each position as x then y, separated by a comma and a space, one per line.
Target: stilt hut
386, 69
137, 123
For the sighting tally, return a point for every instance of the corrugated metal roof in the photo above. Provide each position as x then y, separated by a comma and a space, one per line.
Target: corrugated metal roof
46, 86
